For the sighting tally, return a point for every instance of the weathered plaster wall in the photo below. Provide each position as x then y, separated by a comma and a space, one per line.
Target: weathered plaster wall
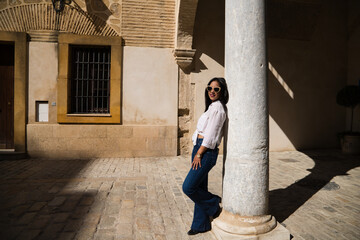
43, 69
309, 66
209, 36
150, 86
149, 79
353, 56
149, 109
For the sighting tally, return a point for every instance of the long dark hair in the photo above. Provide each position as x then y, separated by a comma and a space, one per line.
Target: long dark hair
224, 94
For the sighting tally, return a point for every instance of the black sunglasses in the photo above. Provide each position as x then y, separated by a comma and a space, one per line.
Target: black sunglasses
216, 89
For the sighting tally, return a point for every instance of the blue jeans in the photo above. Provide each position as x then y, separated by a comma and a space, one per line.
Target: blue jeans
195, 186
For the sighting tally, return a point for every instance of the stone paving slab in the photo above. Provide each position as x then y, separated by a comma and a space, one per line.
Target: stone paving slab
314, 194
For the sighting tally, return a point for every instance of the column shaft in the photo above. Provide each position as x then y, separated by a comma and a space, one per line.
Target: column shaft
246, 178
246, 170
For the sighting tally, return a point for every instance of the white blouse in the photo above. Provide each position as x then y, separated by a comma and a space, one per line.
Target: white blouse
210, 125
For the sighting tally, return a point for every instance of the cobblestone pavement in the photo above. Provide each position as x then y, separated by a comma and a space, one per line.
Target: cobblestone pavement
314, 194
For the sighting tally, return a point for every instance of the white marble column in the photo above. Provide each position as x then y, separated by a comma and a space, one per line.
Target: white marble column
246, 179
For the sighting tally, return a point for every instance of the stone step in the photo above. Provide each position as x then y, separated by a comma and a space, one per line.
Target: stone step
12, 155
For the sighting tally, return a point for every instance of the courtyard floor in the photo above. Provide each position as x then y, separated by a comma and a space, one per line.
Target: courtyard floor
315, 194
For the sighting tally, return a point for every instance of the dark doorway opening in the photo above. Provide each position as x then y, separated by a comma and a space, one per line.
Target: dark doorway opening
6, 95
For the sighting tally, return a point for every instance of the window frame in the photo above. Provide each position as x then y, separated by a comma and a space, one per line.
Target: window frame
64, 74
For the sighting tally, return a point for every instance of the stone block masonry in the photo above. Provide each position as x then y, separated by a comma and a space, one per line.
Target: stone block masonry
57, 141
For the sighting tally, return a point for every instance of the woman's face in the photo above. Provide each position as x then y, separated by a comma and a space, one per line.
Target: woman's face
214, 90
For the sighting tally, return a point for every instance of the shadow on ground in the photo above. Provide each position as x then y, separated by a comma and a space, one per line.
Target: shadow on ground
284, 202
35, 203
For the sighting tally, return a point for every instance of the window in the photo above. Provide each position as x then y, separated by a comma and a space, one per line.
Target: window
89, 79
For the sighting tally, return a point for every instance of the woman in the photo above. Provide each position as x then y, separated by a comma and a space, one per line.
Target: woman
206, 140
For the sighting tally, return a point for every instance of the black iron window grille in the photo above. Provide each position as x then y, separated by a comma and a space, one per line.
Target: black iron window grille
90, 79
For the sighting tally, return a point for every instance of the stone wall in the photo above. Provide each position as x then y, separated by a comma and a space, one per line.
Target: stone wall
353, 77
209, 57
140, 23
185, 112
307, 53
55, 141
43, 69
150, 87
149, 109
310, 58
307, 70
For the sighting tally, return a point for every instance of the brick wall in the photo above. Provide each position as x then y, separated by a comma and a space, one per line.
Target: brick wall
148, 23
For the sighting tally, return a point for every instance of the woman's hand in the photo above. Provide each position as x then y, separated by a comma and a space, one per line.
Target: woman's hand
196, 162
197, 159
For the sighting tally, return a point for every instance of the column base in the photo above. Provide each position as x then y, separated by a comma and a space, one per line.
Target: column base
278, 233
230, 226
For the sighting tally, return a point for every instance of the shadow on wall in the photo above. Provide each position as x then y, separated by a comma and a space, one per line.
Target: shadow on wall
35, 201
303, 103
306, 69
307, 52
284, 202
209, 32
98, 12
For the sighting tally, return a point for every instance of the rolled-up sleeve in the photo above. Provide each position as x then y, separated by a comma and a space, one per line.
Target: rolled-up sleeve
213, 129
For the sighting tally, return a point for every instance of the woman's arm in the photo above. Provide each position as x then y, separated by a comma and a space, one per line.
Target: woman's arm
213, 129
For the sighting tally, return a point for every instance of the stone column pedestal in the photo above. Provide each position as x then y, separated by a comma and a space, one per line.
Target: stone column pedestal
229, 226
278, 233
243, 225
246, 179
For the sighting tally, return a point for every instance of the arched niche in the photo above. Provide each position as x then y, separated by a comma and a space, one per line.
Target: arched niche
42, 16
